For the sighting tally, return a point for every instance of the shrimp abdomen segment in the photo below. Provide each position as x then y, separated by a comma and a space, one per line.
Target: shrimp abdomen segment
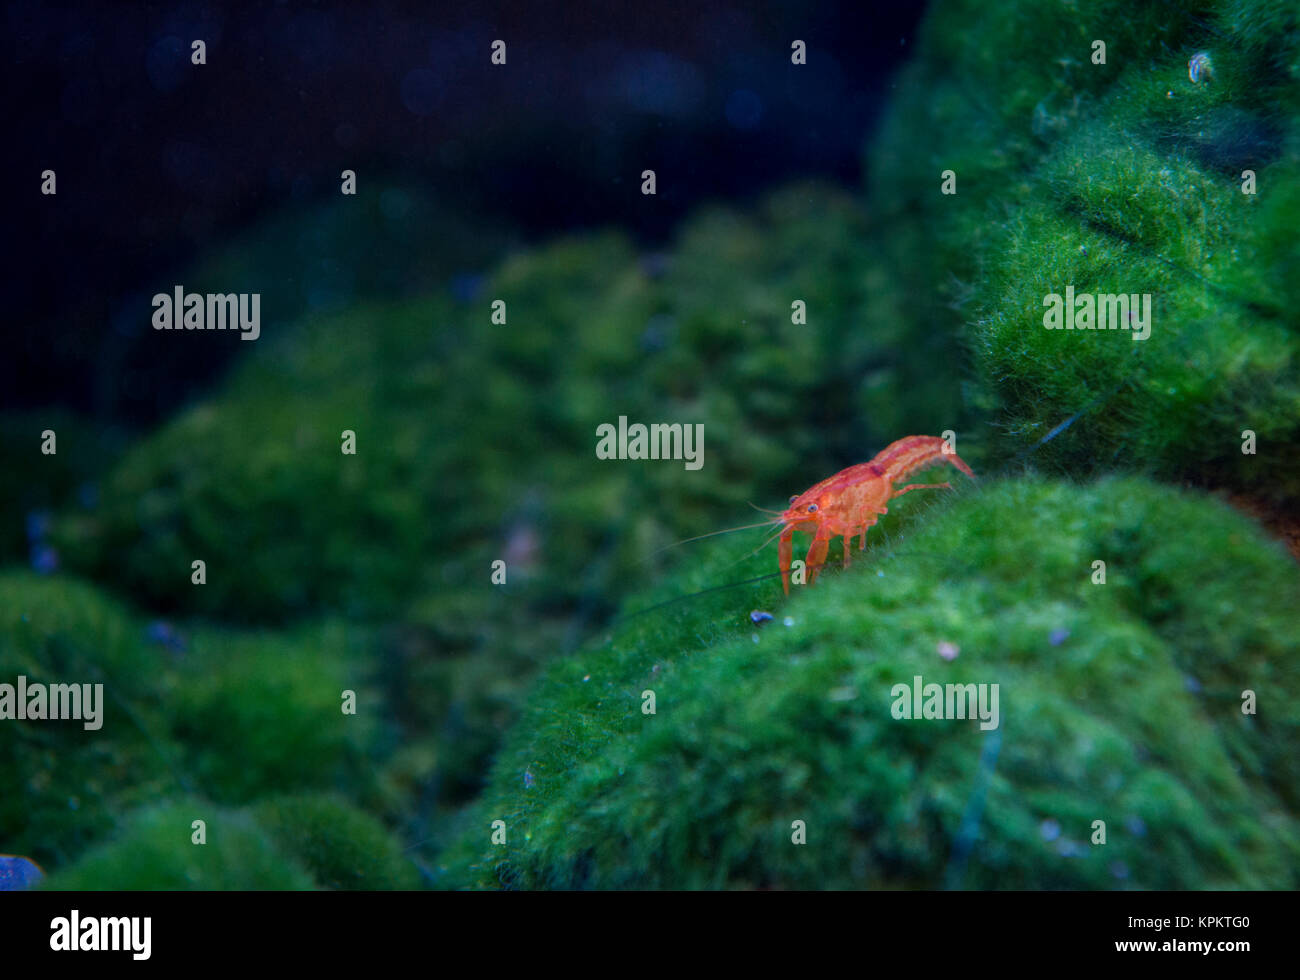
910, 453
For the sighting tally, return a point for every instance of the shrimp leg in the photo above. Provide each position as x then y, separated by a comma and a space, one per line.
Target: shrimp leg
817, 556
923, 486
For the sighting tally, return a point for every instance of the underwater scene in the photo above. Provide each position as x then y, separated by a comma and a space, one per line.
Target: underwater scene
713, 446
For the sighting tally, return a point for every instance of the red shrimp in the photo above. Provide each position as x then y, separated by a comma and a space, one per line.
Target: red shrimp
852, 500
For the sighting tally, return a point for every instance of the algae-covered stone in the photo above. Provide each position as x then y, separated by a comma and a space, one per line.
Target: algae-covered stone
341, 846
157, 852
65, 784
1117, 177
284, 842
188, 709
262, 713
1119, 702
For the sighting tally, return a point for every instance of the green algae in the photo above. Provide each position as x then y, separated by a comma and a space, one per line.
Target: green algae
292, 842
1118, 177
157, 852
214, 713
66, 785
342, 847
1120, 702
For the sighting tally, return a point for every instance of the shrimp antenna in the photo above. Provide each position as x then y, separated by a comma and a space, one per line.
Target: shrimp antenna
682, 598
772, 537
701, 537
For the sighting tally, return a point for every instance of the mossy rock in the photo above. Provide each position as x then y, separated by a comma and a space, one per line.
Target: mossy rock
1122, 177
283, 843
257, 487
342, 847
259, 713
157, 852
66, 785
187, 709
1119, 702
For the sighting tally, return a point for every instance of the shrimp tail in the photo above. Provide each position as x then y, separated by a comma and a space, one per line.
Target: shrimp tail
911, 453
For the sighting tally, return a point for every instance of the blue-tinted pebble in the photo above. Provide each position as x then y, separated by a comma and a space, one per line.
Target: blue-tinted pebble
18, 873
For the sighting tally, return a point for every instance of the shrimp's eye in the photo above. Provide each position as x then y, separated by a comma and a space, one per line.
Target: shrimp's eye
794, 497
812, 508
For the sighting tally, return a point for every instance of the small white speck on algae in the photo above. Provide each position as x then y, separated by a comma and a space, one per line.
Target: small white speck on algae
788, 621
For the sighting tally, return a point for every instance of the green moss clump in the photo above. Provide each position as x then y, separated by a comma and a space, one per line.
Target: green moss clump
66, 784
156, 852
224, 715
1123, 177
263, 712
282, 843
341, 846
1118, 702
256, 485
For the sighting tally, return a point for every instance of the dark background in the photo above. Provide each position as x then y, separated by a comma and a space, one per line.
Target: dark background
159, 161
